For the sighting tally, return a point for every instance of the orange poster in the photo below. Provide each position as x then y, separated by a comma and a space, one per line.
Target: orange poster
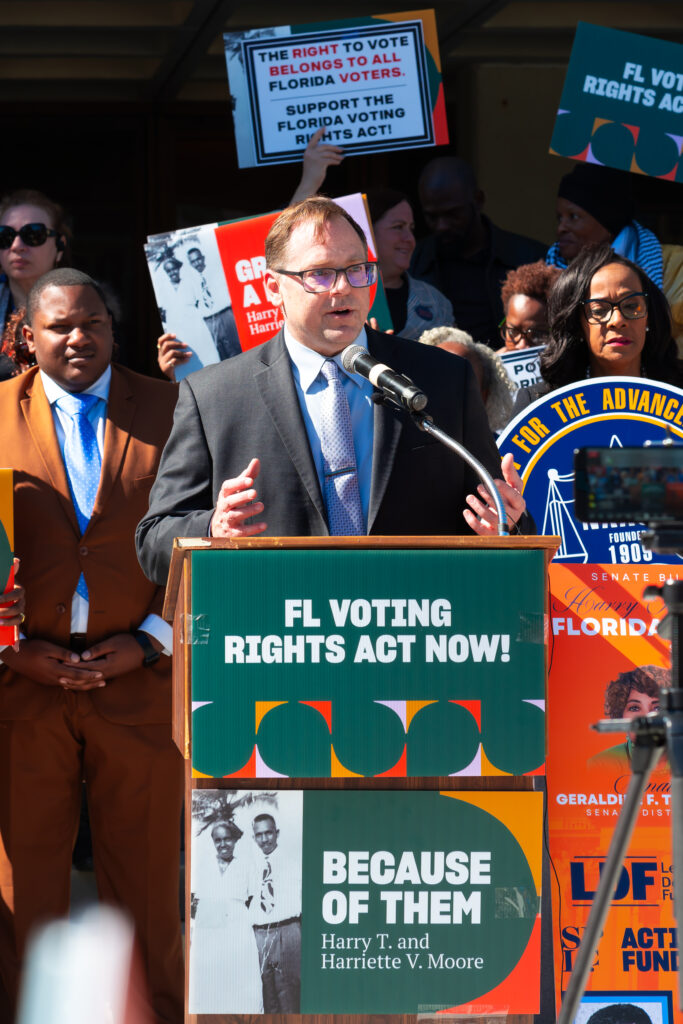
608, 661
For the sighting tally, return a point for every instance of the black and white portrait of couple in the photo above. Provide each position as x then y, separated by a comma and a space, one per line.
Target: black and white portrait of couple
245, 932
192, 295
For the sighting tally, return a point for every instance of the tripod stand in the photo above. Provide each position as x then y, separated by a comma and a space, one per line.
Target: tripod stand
652, 735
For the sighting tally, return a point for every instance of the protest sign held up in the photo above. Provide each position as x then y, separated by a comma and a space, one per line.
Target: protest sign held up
373, 84
622, 103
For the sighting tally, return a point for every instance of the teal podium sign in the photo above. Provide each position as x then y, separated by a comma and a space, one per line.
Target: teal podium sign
322, 663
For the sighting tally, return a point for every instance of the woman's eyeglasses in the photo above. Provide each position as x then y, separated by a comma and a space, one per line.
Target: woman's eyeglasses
30, 234
631, 307
532, 335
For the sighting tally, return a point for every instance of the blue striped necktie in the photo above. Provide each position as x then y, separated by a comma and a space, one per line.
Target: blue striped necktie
340, 475
82, 461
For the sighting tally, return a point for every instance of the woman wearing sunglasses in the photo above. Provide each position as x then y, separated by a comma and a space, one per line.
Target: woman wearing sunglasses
606, 318
33, 240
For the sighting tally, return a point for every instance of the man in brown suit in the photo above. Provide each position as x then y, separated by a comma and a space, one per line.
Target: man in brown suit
87, 696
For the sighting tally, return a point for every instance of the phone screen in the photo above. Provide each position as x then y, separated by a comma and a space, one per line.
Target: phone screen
629, 484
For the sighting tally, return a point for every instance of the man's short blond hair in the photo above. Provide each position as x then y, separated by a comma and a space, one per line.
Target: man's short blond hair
318, 211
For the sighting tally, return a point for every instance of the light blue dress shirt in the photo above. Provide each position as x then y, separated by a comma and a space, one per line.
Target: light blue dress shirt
153, 624
306, 365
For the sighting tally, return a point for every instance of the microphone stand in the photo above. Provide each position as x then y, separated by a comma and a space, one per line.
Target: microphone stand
654, 734
425, 422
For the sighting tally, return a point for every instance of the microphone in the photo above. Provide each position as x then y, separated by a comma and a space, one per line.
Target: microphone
356, 359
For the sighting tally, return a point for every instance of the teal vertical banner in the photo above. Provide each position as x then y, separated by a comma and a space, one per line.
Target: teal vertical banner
331, 663
622, 103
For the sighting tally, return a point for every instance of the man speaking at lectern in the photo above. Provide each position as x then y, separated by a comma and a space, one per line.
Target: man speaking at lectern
282, 441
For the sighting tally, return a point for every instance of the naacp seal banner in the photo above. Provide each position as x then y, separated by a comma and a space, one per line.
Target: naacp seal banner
605, 411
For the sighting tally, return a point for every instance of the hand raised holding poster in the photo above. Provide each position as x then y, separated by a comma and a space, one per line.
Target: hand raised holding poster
318, 156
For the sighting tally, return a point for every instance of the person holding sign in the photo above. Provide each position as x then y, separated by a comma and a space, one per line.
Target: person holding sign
606, 318
12, 608
327, 459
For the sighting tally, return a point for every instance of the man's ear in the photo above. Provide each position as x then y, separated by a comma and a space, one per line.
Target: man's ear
479, 199
271, 284
27, 333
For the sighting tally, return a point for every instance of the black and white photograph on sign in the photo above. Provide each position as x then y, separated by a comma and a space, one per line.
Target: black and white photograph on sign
245, 927
367, 86
192, 295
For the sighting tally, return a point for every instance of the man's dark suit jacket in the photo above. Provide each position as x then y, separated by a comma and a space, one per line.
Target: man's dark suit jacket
248, 407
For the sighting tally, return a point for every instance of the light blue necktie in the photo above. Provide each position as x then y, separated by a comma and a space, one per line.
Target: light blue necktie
340, 475
82, 461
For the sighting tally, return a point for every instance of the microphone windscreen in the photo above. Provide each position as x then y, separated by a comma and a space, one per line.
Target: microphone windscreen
350, 354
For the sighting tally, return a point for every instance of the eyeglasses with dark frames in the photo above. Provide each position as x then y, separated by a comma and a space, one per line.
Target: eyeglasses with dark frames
631, 307
534, 335
323, 279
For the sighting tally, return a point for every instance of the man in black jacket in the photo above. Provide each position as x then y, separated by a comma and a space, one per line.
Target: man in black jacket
466, 257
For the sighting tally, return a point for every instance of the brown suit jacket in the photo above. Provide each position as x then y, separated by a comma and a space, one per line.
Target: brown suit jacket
53, 553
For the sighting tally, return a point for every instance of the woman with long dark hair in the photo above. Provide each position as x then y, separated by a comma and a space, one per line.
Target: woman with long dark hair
606, 318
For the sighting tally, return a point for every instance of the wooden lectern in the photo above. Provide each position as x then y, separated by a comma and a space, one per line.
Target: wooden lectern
413, 664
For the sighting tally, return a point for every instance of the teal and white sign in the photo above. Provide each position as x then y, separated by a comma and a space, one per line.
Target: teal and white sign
622, 103
334, 663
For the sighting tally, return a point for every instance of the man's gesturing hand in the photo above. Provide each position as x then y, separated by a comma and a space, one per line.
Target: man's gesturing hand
483, 519
236, 504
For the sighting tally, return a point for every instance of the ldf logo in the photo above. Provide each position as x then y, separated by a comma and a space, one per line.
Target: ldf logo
636, 878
